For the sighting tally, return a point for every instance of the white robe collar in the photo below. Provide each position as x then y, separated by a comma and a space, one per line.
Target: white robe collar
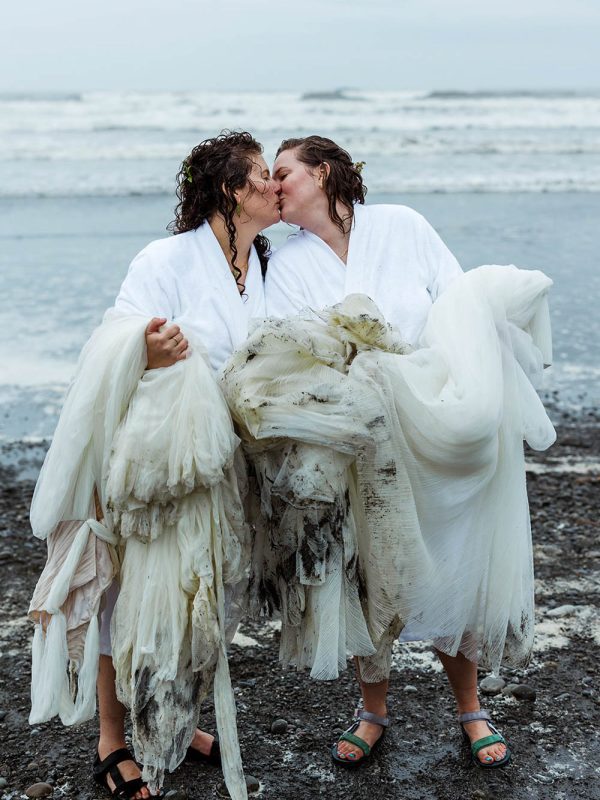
237, 310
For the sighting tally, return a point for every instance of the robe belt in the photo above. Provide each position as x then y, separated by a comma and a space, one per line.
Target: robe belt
64, 577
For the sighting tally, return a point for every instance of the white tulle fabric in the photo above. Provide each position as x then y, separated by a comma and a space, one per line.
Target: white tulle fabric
393, 479
160, 449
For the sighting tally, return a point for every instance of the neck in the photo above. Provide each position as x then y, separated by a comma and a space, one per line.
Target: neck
323, 227
244, 236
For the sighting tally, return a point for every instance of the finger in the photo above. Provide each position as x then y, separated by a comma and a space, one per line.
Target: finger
186, 354
154, 324
181, 347
171, 331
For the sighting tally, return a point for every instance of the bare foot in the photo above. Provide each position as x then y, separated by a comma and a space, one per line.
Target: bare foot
202, 742
129, 770
478, 729
368, 731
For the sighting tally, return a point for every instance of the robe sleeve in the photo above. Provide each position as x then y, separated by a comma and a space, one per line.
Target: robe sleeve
442, 266
283, 292
144, 289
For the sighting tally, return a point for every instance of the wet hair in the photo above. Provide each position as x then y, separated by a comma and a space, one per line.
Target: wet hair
206, 183
344, 183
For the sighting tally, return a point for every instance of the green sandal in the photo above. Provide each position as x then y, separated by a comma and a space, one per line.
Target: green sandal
350, 736
494, 738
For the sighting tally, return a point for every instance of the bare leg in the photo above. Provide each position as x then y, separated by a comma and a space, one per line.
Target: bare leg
374, 697
202, 742
112, 724
462, 675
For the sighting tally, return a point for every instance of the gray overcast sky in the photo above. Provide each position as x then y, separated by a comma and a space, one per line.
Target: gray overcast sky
313, 44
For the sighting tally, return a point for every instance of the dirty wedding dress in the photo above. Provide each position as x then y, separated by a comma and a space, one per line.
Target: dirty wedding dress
392, 479
159, 451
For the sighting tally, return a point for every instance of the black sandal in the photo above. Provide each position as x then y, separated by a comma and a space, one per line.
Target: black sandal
124, 790
213, 758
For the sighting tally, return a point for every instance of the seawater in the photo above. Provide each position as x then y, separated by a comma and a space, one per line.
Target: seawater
87, 180
122, 143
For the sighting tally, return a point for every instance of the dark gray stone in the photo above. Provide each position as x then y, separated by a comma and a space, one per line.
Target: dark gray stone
39, 790
492, 685
279, 726
524, 692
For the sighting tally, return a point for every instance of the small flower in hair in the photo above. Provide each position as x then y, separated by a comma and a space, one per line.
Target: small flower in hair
358, 166
188, 173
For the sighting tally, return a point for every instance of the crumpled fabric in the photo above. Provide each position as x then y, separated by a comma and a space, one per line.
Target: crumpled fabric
392, 479
160, 450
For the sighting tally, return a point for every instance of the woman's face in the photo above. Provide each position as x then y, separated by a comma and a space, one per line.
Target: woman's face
301, 189
259, 201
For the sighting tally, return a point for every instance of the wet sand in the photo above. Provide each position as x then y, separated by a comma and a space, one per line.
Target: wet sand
554, 738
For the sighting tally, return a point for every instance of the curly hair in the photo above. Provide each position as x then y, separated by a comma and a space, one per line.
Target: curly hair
344, 182
206, 184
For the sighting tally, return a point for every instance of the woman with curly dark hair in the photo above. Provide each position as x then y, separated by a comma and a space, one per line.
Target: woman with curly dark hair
205, 282
391, 254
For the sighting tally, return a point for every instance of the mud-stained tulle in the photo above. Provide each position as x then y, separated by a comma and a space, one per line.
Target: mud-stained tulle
160, 450
393, 482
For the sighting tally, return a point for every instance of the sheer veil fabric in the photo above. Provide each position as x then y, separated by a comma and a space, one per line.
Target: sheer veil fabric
393, 480
160, 450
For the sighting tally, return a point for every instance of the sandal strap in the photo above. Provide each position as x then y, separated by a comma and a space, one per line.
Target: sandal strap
471, 716
101, 768
486, 741
368, 716
356, 740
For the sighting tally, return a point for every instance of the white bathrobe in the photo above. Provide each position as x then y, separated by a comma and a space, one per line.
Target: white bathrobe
186, 278
394, 257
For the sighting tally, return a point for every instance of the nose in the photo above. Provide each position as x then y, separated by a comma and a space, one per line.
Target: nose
276, 185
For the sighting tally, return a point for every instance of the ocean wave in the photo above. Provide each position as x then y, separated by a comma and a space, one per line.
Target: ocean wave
468, 185
41, 97
367, 144
509, 94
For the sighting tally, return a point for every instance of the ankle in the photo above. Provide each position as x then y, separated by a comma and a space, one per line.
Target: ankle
108, 745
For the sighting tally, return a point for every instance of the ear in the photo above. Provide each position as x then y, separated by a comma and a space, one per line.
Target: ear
323, 171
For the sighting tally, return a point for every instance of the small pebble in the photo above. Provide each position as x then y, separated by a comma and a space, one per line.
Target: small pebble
410, 689
509, 688
39, 790
492, 685
33, 766
3, 783
524, 692
279, 726
252, 786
